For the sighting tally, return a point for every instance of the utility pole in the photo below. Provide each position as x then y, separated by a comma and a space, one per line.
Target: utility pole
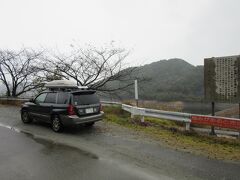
136, 91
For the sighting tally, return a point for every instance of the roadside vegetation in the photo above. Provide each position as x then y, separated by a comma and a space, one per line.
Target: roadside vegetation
172, 135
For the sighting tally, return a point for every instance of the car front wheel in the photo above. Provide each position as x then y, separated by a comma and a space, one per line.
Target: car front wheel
25, 117
57, 124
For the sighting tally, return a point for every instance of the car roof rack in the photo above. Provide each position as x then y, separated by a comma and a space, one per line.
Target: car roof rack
63, 85
82, 87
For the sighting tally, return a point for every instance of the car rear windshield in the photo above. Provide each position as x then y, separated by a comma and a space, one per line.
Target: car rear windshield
85, 99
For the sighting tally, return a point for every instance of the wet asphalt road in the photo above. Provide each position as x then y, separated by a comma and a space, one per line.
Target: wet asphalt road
103, 152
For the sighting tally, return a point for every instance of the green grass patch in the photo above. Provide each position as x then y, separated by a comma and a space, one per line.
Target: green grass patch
171, 134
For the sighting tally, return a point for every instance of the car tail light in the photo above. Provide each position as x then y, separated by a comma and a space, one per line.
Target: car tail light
70, 110
101, 107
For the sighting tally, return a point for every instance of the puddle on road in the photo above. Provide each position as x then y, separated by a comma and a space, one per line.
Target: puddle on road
50, 145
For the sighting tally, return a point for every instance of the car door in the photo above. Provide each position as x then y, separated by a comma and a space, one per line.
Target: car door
35, 106
48, 105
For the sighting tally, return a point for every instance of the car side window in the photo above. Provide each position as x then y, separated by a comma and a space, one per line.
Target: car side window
41, 98
62, 98
51, 98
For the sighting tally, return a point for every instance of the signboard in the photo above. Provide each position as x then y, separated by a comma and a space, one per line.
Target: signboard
221, 79
216, 121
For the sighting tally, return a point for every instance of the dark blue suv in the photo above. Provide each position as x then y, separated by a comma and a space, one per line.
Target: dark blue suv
63, 108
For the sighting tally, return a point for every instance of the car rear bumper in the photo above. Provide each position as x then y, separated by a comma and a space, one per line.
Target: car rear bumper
74, 120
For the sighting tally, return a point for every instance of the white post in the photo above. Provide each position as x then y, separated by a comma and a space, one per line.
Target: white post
136, 91
187, 127
132, 113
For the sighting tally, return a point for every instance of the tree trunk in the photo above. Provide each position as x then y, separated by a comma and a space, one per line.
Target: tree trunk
14, 93
8, 93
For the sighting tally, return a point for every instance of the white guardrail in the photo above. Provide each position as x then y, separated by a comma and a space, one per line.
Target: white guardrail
168, 115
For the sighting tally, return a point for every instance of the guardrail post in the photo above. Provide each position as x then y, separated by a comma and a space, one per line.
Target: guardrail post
142, 119
132, 112
132, 115
212, 133
187, 126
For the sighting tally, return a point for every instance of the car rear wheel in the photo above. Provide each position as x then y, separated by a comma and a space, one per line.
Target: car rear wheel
25, 117
57, 124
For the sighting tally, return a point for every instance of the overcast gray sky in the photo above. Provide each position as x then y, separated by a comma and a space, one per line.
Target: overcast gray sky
152, 29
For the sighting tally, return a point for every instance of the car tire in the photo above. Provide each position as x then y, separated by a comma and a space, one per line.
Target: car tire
25, 117
57, 125
90, 124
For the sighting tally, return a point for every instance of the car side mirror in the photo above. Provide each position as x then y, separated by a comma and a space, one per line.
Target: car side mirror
31, 100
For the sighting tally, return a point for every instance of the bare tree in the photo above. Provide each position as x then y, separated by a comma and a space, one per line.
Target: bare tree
19, 71
92, 67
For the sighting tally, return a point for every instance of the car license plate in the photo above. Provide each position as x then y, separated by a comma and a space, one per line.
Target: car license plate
89, 110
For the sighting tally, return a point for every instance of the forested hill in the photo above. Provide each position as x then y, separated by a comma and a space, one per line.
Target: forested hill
173, 79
